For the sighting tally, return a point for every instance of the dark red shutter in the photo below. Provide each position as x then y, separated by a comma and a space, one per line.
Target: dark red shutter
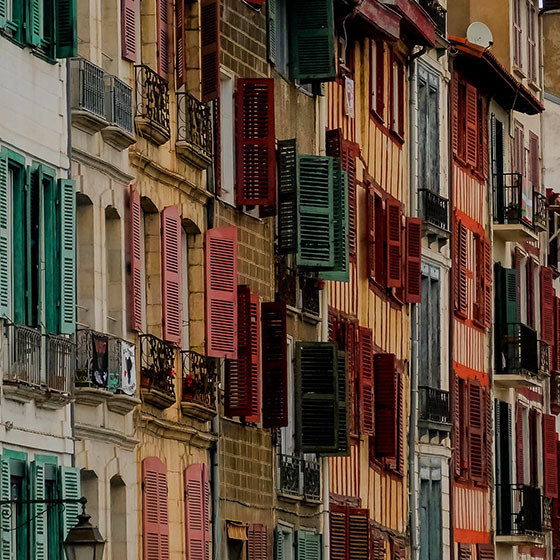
394, 244
472, 126
274, 364
547, 306
255, 359
413, 260
162, 40
464, 551
155, 520
135, 260
534, 159
485, 551
455, 112
180, 44
487, 283
519, 454
333, 325
128, 29
386, 405
366, 381
476, 432
530, 277
255, 142
371, 261
550, 449
351, 339
488, 437
210, 49
460, 277
556, 351
358, 534
257, 542
338, 525
456, 408
197, 512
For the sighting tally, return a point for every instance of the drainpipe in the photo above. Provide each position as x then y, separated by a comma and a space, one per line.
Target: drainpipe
215, 484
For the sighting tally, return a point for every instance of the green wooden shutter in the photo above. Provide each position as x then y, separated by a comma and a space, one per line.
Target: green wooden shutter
511, 292
51, 291
3, 12
312, 40
5, 259
66, 29
71, 488
288, 217
278, 544
38, 515
271, 28
308, 546
315, 206
67, 236
6, 552
34, 22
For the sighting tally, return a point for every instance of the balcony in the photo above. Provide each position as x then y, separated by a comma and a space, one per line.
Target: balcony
118, 109
194, 130
310, 294
555, 392
200, 375
152, 105
87, 95
520, 513
547, 509
286, 278
299, 478
157, 371
438, 15
435, 414
544, 359
517, 355
311, 480
540, 212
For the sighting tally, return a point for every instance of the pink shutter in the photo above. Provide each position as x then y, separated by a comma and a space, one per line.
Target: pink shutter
394, 244
221, 292
210, 49
255, 359
547, 306
455, 112
366, 381
162, 40
197, 510
386, 405
257, 542
534, 160
155, 519
180, 44
550, 448
472, 125
171, 274
128, 29
135, 260
413, 260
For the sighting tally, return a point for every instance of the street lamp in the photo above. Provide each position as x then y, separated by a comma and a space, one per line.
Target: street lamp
84, 542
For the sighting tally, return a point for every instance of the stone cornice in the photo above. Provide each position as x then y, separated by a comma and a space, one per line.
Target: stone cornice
101, 165
87, 431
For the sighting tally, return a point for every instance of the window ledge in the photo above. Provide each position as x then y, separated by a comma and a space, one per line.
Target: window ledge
118, 137
518, 71
43, 397
87, 121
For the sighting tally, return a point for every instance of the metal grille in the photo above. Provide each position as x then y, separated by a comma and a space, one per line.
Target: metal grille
61, 363
87, 86
118, 102
312, 479
194, 123
289, 475
309, 294
517, 351
521, 512
434, 208
23, 354
544, 359
434, 405
540, 211
199, 378
157, 364
152, 97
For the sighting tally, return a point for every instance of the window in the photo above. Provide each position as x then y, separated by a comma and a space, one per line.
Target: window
227, 139
397, 97
517, 34
287, 439
349, 532
118, 518
284, 545
377, 61
430, 327
531, 41
430, 509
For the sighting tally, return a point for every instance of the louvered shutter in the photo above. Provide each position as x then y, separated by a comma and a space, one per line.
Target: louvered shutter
456, 427
386, 411
351, 336
365, 348
485, 551
487, 282
171, 274
488, 438
255, 359
530, 279
455, 112
308, 546
317, 397
343, 428
315, 207
255, 142
135, 254
288, 215
162, 40
210, 49
278, 543
333, 324
476, 432
519, 452
3, 18
197, 512
66, 28
180, 44
338, 524
550, 449
472, 125
128, 29
511, 283
39, 529
460, 277
257, 542
394, 244
556, 348
534, 159
155, 521
312, 41
358, 533
274, 364
221, 292
71, 489
6, 549
371, 261
547, 306
5, 245
34, 22
67, 239
271, 25
464, 551
413, 260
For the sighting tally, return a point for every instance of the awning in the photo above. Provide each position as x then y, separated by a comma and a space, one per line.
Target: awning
237, 531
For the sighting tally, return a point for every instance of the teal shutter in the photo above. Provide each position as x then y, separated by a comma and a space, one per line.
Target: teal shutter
3, 12
511, 295
67, 236
71, 488
38, 514
51, 293
340, 271
278, 544
34, 22
5, 259
315, 206
312, 40
66, 29
5, 518
288, 218
271, 28
308, 546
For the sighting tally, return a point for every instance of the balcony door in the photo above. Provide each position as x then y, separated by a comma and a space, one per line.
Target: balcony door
430, 328
497, 157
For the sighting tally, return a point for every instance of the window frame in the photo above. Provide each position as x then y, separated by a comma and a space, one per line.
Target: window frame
377, 79
433, 275
396, 101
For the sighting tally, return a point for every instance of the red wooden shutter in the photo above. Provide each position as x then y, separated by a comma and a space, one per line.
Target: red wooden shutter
275, 365
333, 325
464, 551
460, 278
556, 353
456, 407
394, 244
485, 551
255, 359
413, 260
180, 43
257, 542
358, 533
455, 112
386, 406
197, 512
550, 448
135, 260
530, 277
366, 381
487, 283
255, 142
534, 158
210, 49
171, 274
476, 432
472, 126
155, 522
221, 292
128, 29
338, 525
162, 19
371, 233
547, 306
488, 437
483, 161
519, 455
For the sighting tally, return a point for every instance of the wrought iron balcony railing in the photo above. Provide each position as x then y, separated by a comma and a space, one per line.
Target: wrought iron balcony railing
515, 202
544, 358
434, 209
87, 87
22, 354
61, 363
118, 103
194, 129
157, 368
434, 405
546, 514
555, 391
520, 510
540, 211
516, 349
200, 375
310, 294
289, 475
437, 13
286, 279
311, 479
152, 104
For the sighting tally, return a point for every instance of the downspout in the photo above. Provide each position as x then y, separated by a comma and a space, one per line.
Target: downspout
215, 483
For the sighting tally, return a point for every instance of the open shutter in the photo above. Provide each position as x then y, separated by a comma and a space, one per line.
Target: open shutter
519, 452
317, 397
455, 112
488, 438
210, 49
255, 142
257, 542
484, 137
278, 543
255, 359
288, 215
3, 15
197, 509
394, 244
271, 24
460, 278
350, 340
67, 238
315, 205
534, 160
221, 292
371, 261
386, 405
366, 392
308, 546
5, 245
343, 428
171, 277
487, 282
556, 349
162, 41
456, 425
547, 306
476, 432
358, 533
485, 551
550, 448
338, 525
511, 295
135, 260
66, 28
39, 529
413, 260
312, 40
6, 551
34, 22
472, 125
155, 520
128, 29
180, 44
274, 364
71, 489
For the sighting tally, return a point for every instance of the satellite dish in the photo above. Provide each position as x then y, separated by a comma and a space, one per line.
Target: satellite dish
480, 34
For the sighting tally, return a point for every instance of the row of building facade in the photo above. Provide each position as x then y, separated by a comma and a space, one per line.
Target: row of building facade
279, 279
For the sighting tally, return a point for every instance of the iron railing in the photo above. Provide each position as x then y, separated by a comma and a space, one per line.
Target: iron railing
521, 511
22, 360
544, 358
152, 97
61, 363
546, 514
200, 375
540, 211
87, 86
437, 13
555, 391
516, 349
157, 364
286, 278
434, 405
510, 206
434, 208
311, 479
194, 124
118, 103
309, 294
289, 468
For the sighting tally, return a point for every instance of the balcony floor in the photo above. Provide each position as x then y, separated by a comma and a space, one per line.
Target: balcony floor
514, 232
508, 380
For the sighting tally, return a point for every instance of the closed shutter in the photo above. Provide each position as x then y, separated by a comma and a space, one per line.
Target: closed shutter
308, 546
317, 397
271, 25
343, 428
365, 348
210, 49
171, 274
550, 449
455, 112
197, 512
530, 283
221, 292
371, 261
274, 364
257, 542
288, 215
312, 40
394, 244
547, 306
128, 29
456, 410
315, 206
135, 251
71, 489
487, 282
67, 239
460, 279
338, 532
511, 284
534, 160
386, 413
476, 432
6, 549
39, 529
472, 125
155, 521
517, 33
358, 534
483, 135
255, 359
5, 246
519, 452
279, 543
255, 142
34, 22
3, 13
180, 44
66, 28
413, 260
162, 40
485, 551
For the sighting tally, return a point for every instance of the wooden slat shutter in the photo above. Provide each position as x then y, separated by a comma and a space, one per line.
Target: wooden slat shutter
162, 38
511, 283
5, 246
128, 29
530, 283
464, 551
3, 19
6, 549
210, 49
485, 551
456, 409
472, 125
66, 28
155, 521
487, 282
279, 543
547, 305
317, 397
315, 206
197, 512
67, 248
171, 274
476, 432
483, 135
366, 381
271, 25
312, 41
255, 142
413, 260
455, 112
519, 453
338, 524
274, 364
255, 358
556, 349
221, 292
343, 428
351, 339
288, 215
534, 160
257, 542
308, 546
34, 23
39, 528
371, 260
135, 254
358, 533
550, 449
488, 438
460, 277
386, 406
180, 44
71, 489
394, 244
